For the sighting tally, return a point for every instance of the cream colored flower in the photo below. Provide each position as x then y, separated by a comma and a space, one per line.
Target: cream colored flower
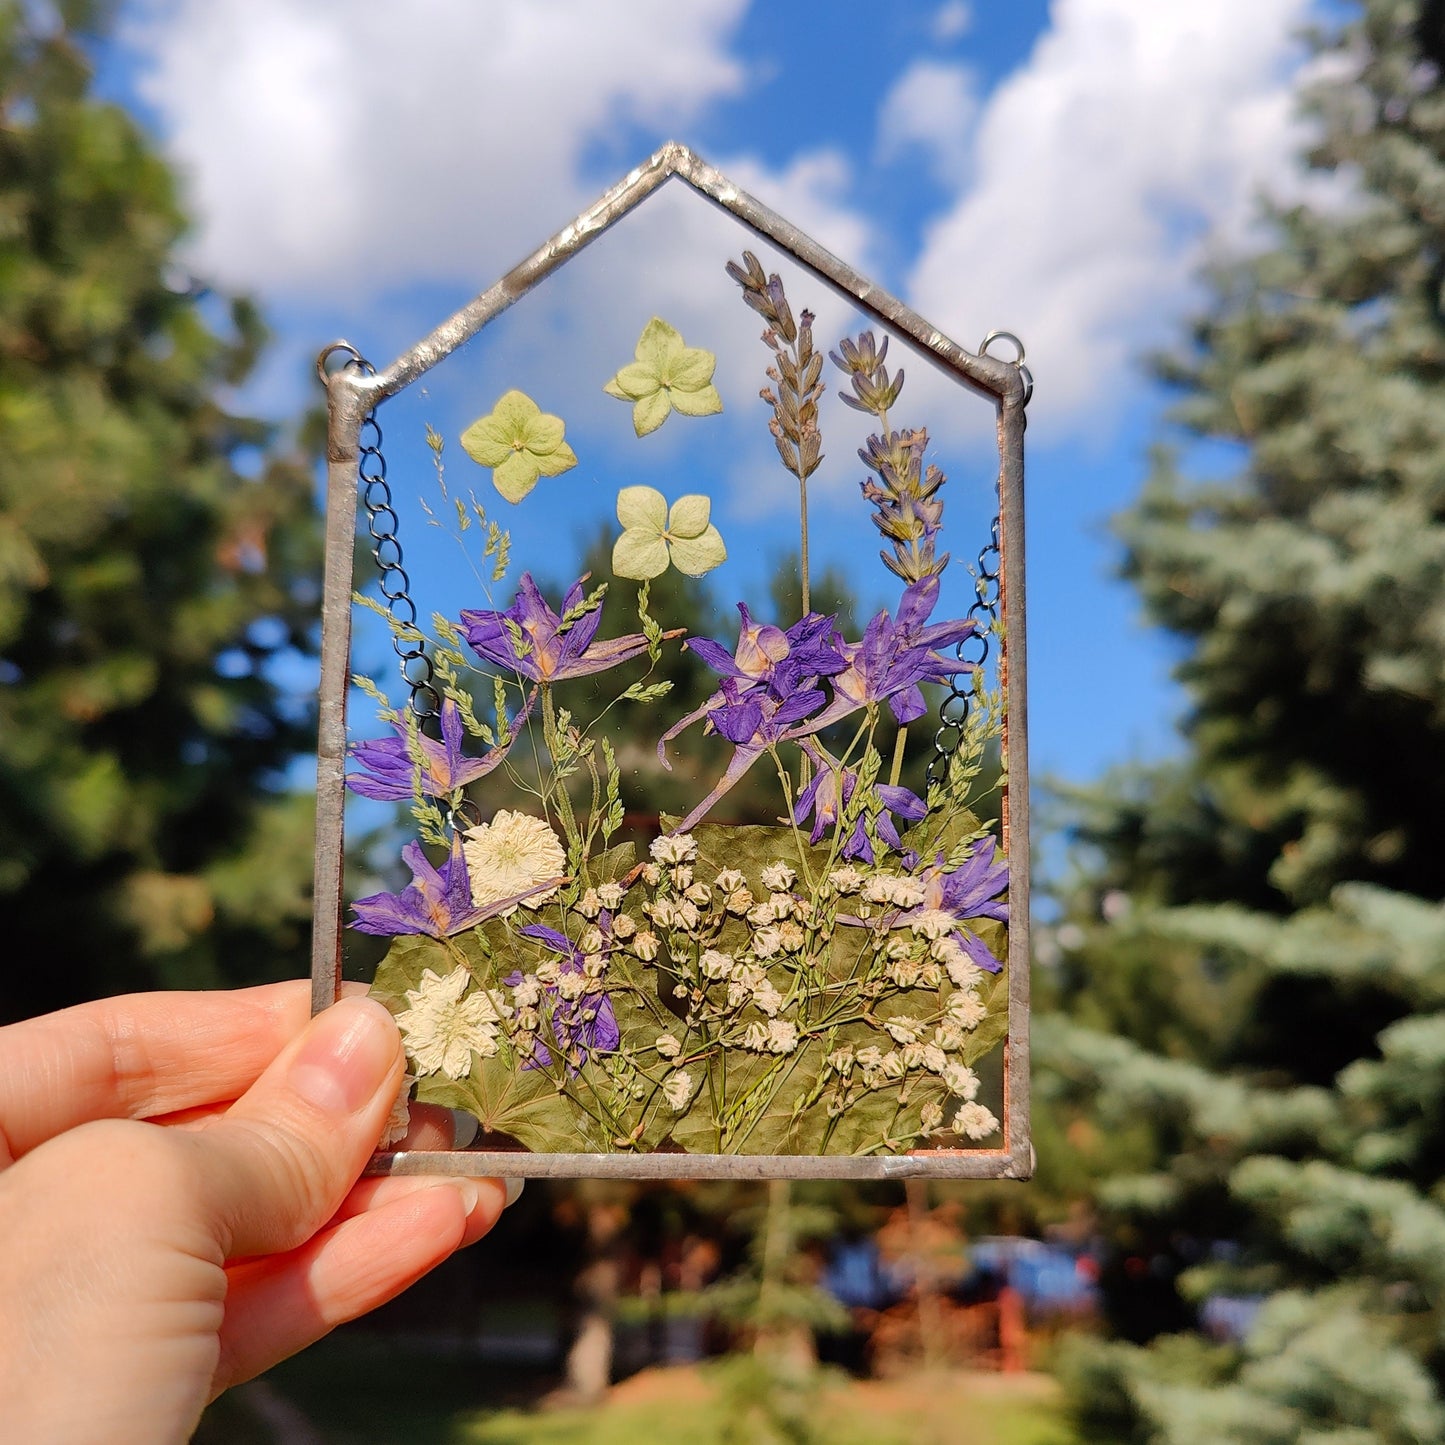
792, 937
968, 1009
624, 926
974, 1121
767, 942
399, 1120
841, 1060
903, 1029
961, 1081
845, 880
668, 1046
930, 1118
512, 853
730, 880
715, 964
651, 874
674, 849
934, 1059
645, 945
572, 985
610, 895
933, 923
767, 998
589, 905
442, 1029
778, 876
782, 1036
678, 1090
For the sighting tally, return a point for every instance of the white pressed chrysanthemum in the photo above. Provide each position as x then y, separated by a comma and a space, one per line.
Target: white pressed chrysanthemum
512, 853
442, 1028
974, 1121
399, 1120
678, 1090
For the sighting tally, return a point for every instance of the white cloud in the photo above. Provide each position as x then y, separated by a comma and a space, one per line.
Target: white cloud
931, 107
1135, 130
953, 20
332, 148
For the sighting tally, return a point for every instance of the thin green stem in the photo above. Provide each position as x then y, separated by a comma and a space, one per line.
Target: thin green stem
896, 770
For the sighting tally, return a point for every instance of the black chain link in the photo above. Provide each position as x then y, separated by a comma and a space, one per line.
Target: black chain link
381, 525
973, 650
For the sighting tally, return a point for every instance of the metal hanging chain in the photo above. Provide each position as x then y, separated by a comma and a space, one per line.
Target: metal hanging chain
974, 649
381, 525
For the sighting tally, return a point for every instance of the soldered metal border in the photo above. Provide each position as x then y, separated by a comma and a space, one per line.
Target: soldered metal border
353, 393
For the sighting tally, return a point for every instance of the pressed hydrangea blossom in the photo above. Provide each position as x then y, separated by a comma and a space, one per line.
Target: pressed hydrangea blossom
389, 772
582, 1024
445, 1025
531, 640
512, 855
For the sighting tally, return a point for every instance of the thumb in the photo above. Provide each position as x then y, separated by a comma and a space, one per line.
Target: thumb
276, 1166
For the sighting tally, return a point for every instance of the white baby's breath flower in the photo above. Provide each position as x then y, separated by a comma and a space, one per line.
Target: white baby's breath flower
738, 901
968, 1009
891, 1065
651, 874
767, 942
782, 905
678, 1090
549, 972
645, 945
610, 895
932, 923
934, 1059
527, 991
841, 1060
687, 915
903, 1029
662, 911
975, 1121
670, 851
755, 1037
594, 965
930, 1118
527, 1020
904, 973
961, 968
900, 948
572, 985
782, 1036
877, 888
870, 1057
624, 926
399, 1120
730, 880
442, 1028
700, 895
906, 892
913, 1055
949, 1035
845, 880
961, 1081
591, 940
510, 854
668, 1046
589, 905
767, 998
682, 877
715, 964
778, 876
930, 975
791, 937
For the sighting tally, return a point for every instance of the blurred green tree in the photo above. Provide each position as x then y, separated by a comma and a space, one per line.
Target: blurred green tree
158, 571
1255, 969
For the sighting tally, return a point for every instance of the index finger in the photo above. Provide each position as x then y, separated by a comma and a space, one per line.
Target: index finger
139, 1056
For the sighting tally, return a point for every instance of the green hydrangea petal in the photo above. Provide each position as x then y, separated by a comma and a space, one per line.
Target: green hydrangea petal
514, 413
657, 342
650, 412
689, 516
691, 369
483, 442
696, 555
635, 381
544, 434
639, 554
561, 460
642, 507
612, 389
516, 476
697, 403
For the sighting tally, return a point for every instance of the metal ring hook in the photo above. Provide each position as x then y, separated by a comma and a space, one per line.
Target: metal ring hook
993, 336
353, 358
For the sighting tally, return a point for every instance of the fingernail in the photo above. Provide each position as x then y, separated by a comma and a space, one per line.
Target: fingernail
468, 1191
346, 1057
514, 1190
464, 1127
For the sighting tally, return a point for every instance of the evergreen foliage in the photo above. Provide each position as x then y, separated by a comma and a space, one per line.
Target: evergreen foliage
158, 559
1257, 1001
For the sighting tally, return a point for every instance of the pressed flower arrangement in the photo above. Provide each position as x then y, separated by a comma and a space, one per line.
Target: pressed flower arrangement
592, 976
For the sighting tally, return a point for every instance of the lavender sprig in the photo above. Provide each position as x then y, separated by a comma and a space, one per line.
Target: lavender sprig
795, 372
910, 513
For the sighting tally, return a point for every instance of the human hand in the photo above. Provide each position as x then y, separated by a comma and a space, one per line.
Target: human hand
145, 1269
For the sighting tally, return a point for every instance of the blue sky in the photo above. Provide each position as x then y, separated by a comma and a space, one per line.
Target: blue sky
1060, 170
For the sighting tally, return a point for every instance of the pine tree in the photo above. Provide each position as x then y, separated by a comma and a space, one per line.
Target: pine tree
158, 563
1257, 994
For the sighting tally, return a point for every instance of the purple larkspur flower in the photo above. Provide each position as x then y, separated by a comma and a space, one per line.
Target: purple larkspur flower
582, 1025
389, 771
896, 655
768, 690
550, 650
820, 800
437, 901
971, 891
